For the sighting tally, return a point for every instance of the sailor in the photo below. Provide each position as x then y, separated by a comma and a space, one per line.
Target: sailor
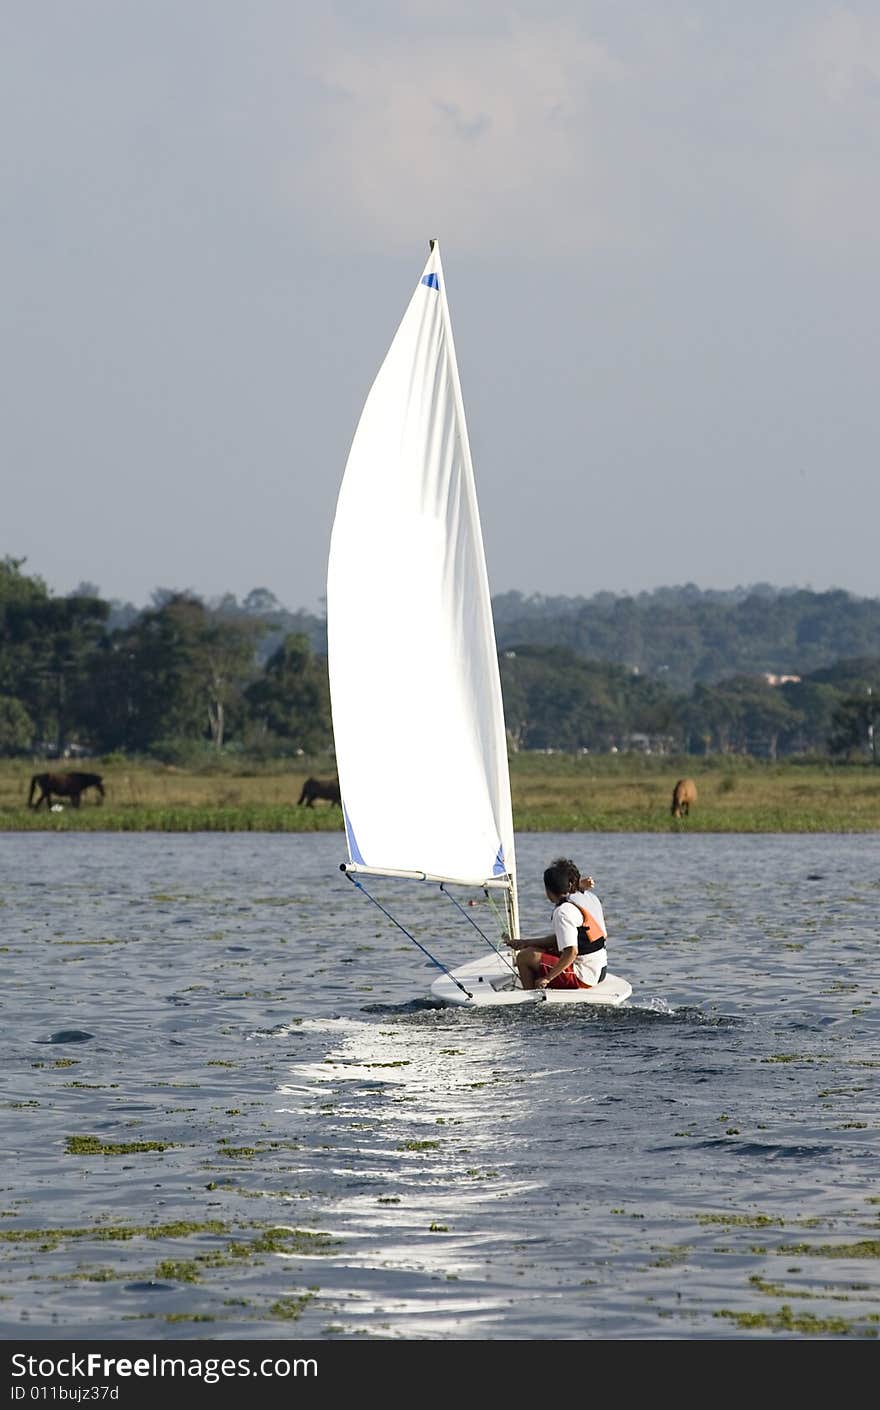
574, 956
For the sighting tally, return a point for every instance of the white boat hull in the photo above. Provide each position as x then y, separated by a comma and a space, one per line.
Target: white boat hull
491, 980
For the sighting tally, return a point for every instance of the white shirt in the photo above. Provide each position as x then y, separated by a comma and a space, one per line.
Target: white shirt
567, 921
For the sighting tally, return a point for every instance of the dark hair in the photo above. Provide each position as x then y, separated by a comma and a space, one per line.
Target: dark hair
573, 870
561, 877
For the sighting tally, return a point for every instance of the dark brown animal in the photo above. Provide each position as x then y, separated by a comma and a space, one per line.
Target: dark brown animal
313, 788
683, 794
70, 786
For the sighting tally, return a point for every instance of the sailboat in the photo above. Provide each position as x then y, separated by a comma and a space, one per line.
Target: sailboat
415, 691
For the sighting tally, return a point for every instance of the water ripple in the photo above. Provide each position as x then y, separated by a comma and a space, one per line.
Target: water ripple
196, 1121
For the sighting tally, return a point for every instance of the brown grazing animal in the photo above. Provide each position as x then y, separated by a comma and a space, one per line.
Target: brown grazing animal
683, 794
320, 788
63, 786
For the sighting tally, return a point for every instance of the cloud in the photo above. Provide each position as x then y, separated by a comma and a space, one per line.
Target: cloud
578, 130
822, 116
474, 135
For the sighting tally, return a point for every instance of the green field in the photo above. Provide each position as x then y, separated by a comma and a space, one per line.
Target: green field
551, 793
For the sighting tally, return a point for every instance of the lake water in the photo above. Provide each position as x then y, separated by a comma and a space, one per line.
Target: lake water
329, 1156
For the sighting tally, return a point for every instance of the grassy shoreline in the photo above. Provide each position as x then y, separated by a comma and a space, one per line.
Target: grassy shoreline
551, 793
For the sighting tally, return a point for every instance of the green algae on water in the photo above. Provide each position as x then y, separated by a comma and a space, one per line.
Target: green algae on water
785, 1320
91, 1145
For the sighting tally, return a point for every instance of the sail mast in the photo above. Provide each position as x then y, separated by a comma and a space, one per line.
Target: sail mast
494, 681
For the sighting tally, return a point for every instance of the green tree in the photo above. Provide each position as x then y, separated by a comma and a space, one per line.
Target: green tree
695, 636
761, 714
48, 647
289, 703
855, 724
16, 586
16, 726
813, 704
178, 673
712, 718
554, 699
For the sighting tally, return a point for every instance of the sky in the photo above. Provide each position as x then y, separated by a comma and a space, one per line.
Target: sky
659, 225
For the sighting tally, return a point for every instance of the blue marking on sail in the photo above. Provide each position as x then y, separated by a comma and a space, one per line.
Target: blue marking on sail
499, 869
431, 280
354, 849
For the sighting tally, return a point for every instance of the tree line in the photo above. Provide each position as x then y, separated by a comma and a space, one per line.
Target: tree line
688, 636
168, 680
554, 699
184, 676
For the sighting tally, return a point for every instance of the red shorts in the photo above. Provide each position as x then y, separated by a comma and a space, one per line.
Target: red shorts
566, 980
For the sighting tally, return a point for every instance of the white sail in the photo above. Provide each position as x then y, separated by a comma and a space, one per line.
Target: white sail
415, 690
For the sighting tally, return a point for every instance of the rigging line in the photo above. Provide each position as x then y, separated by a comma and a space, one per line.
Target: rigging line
481, 933
493, 903
503, 922
360, 886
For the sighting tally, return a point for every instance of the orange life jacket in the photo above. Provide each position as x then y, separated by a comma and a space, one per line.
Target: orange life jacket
591, 936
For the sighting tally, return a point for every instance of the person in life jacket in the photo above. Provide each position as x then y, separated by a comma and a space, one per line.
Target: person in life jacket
574, 956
